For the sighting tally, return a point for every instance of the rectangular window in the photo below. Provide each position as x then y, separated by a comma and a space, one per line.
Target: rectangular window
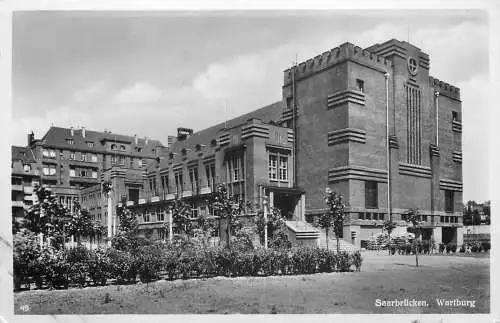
72, 172
52, 154
94, 158
152, 186
360, 85
210, 173
179, 185
70, 141
94, 174
283, 168
147, 216
161, 215
194, 210
52, 170
371, 195
236, 168
361, 215
84, 157
72, 156
83, 173
193, 177
45, 170
273, 167
45, 153
90, 144
164, 184
448, 201
121, 160
454, 116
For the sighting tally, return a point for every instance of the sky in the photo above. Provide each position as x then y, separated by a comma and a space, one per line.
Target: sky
147, 73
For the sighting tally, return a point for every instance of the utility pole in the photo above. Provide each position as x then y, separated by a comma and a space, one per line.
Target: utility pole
389, 211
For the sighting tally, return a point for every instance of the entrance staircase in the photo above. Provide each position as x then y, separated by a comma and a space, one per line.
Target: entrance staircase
332, 242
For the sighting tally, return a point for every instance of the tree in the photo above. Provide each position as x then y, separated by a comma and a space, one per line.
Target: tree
80, 223
412, 216
334, 214
126, 237
276, 227
228, 207
181, 215
206, 226
48, 216
389, 226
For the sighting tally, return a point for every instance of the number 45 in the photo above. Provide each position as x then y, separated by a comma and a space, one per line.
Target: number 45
25, 308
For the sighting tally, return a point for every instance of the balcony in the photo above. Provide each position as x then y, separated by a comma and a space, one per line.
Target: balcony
155, 199
18, 188
142, 201
187, 193
28, 197
205, 190
18, 204
130, 203
169, 197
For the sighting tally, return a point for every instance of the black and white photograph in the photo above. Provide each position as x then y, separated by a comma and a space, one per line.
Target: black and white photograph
249, 162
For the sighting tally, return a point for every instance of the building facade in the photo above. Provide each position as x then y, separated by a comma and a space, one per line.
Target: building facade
360, 121
372, 124
73, 164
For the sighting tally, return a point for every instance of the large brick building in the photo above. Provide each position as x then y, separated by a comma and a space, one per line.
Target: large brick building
330, 129
73, 163
370, 123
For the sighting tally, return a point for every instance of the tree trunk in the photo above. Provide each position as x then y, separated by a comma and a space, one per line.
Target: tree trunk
389, 243
228, 232
326, 238
338, 244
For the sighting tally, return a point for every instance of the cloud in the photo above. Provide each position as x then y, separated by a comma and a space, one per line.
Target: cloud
91, 94
140, 92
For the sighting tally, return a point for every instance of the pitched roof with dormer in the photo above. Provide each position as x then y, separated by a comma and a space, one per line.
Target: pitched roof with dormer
57, 137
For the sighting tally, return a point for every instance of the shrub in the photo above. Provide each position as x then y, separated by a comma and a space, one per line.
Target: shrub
475, 246
304, 260
122, 266
99, 267
486, 246
357, 260
441, 247
149, 262
462, 248
26, 253
78, 259
170, 261
343, 262
451, 247
57, 267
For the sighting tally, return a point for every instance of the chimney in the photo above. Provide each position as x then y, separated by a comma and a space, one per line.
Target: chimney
31, 138
136, 140
170, 141
72, 130
183, 133
83, 132
146, 140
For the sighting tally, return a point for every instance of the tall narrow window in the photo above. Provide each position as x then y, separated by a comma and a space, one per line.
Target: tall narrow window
193, 177
152, 186
454, 116
179, 185
371, 195
414, 125
360, 85
283, 168
210, 173
164, 184
448, 201
273, 167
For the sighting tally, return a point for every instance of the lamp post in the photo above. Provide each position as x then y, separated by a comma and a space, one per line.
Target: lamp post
265, 203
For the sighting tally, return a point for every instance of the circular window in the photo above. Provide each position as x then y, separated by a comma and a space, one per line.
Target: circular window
412, 66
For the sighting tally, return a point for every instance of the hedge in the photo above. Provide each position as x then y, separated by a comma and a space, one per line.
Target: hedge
82, 267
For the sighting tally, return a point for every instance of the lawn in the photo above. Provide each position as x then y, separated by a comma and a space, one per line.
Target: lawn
382, 277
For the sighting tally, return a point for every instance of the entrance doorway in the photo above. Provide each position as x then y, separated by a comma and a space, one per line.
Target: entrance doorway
286, 203
449, 235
